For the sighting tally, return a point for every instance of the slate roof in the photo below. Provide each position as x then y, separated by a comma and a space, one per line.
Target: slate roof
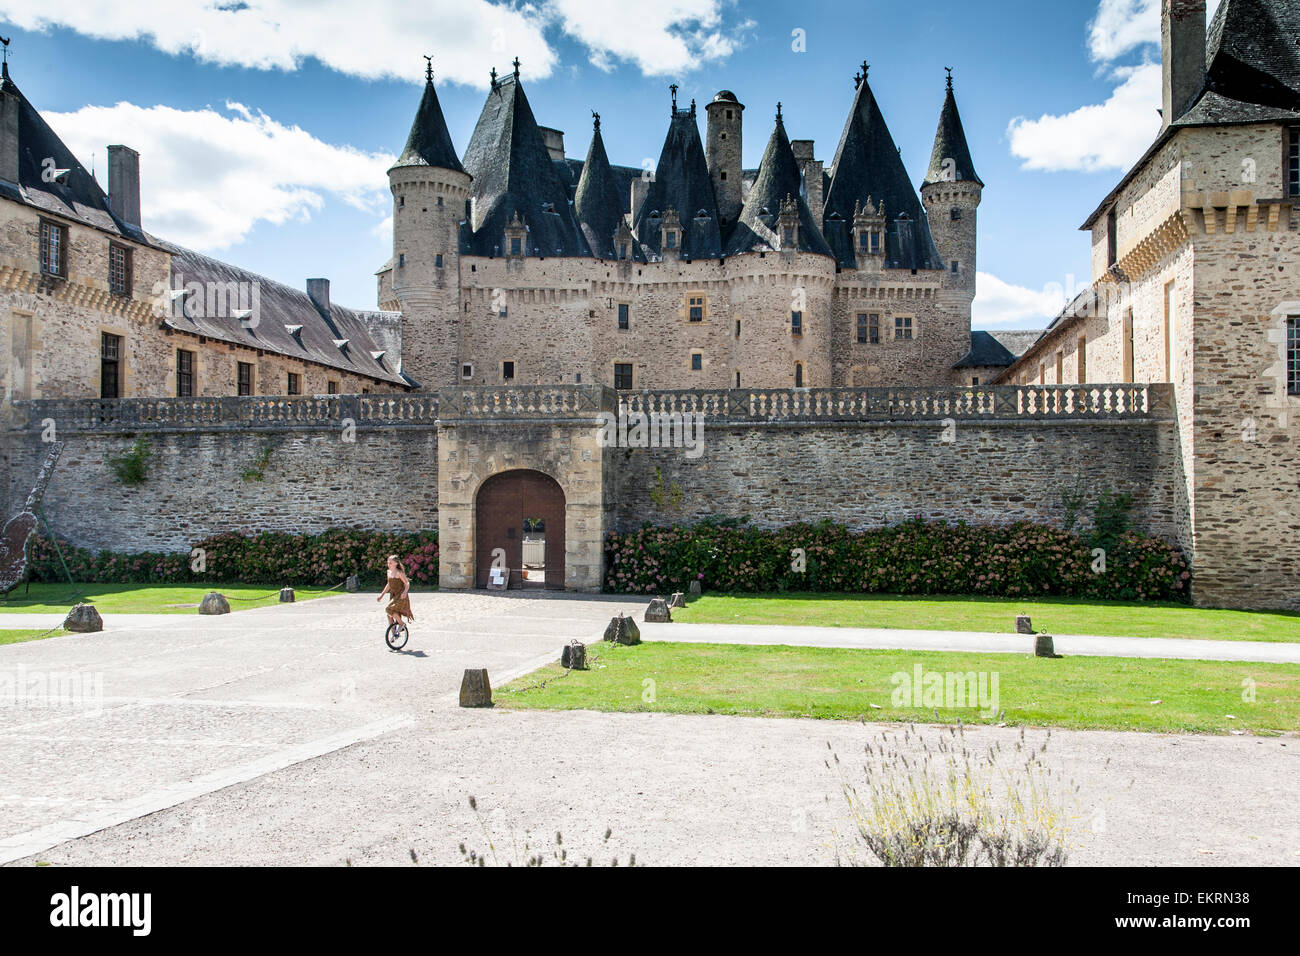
598, 200
682, 182
429, 143
278, 307
998, 349
76, 196
778, 178
950, 144
867, 166
514, 174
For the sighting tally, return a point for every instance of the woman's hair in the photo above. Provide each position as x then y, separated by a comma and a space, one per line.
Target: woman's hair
400, 566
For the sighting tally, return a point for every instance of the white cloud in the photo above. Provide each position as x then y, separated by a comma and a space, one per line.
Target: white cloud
372, 39
208, 177
662, 38
1110, 135
999, 303
1121, 26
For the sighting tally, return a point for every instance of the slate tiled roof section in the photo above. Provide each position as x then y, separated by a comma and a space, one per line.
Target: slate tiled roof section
1017, 341
1253, 52
778, 178
867, 166
985, 352
514, 174
75, 195
598, 203
682, 182
429, 143
278, 307
950, 144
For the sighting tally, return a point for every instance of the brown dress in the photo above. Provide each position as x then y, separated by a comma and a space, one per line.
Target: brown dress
398, 605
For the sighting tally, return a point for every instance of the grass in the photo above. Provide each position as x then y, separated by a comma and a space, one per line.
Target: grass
143, 598
1085, 693
19, 637
997, 615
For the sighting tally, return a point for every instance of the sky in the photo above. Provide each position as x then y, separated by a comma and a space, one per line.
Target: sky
265, 127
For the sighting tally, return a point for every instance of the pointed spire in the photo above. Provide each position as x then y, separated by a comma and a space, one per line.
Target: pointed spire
682, 181
429, 143
950, 161
598, 200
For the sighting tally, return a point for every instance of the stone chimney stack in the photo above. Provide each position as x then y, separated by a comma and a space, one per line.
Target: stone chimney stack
8, 133
1182, 54
812, 175
124, 184
318, 290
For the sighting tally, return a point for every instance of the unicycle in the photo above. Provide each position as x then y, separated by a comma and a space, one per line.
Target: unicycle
396, 635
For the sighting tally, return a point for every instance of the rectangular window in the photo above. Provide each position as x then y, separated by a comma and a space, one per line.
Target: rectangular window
975, 380
787, 236
796, 323
623, 317
516, 246
331, 387
1293, 164
873, 330
110, 365
1169, 331
467, 371
119, 269
863, 328
243, 378
184, 373
956, 267
1293, 356
508, 371
54, 244
737, 380
670, 240
295, 383
623, 375
1060, 368
696, 308
738, 328
902, 328
1112, 240
956, 215
875, 243
437, 261
697, 362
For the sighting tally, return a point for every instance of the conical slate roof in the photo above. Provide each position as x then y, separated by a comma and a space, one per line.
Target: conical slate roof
429, 143
1253, 52
597, 200
950, 161
681, 182
513, 174
868, 167
778, 178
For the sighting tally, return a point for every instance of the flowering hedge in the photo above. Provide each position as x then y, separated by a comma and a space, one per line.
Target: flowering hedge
915, 557
319, 560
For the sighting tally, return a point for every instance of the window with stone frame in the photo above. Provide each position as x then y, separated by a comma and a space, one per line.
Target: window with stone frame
331, 387
467, 370
516, 246
119, 269
695, 306
873, 329
796, 323
1293, 355
798, 374
184, 373
697, 362
243, 378
902, 328
110, 365
864, 328
54, 249
295, 384
507, 371
623, 376
624, 316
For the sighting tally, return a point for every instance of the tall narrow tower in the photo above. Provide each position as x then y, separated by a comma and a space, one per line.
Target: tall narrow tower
430, 188
951, 194
722, 153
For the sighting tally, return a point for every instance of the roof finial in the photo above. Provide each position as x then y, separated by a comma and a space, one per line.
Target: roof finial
493, 74
428, 68
857, 80
516, 65
865, 68
692, 106
595, 120
949, 69
673, 87
778, 111
5, 41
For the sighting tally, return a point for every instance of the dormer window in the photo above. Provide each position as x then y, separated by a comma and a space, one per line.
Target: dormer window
787, 236
516, 246
670, 240
548, 207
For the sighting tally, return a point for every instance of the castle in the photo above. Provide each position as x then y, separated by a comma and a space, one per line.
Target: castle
818, 318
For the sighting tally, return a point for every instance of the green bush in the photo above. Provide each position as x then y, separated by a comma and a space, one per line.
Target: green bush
915, 557
315, 560
132, 466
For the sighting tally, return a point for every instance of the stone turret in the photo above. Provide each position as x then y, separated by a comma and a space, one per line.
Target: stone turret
724, 156
952, 192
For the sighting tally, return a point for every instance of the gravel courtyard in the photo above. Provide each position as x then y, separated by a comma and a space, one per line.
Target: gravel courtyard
292, 735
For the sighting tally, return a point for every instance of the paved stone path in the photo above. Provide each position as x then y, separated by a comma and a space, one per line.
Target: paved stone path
291, 734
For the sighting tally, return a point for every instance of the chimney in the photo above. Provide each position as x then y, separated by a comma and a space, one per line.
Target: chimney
811, 168
124, 184
318, 290
554, 141
1182, 54
8, 133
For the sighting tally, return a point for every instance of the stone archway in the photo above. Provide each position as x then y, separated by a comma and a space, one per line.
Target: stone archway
521, 512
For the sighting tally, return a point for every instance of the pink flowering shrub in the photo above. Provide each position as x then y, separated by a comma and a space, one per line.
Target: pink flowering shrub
915, 557
320, 560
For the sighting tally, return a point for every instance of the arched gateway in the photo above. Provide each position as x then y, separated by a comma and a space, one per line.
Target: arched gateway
522, 513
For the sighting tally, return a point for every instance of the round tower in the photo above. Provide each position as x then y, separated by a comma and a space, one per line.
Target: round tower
951, 193
430, 189
723, 154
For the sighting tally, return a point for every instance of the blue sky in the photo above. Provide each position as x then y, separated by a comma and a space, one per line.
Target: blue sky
265, 126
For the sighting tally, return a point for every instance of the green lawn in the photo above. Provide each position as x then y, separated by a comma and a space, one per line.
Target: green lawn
1055, 615
1086, 693
18, 637
144, 598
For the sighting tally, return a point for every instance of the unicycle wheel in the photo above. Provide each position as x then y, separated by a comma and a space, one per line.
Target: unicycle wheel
396, 635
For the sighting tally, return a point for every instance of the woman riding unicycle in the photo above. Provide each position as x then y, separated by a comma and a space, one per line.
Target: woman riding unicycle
398, 589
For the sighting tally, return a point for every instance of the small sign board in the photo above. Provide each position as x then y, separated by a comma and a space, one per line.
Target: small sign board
498, 579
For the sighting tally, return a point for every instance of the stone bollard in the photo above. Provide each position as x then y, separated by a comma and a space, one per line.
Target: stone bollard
1023, 625
214, 603
475, 688
1044, 646
574, 656
353, 583
658, 613
677, 600
696, 589
623, 630
83, 619
287, 596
